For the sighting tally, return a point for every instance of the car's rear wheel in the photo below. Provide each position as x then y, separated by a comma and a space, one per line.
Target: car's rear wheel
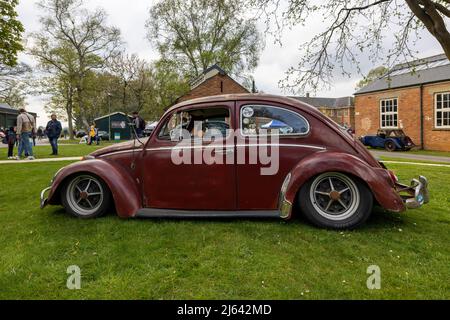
389, 146
336, 201
86, 196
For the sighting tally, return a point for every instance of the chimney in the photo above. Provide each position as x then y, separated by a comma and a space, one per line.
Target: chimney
307, 94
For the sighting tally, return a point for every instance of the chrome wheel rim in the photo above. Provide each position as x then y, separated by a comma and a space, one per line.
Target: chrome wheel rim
85, 195
335, 196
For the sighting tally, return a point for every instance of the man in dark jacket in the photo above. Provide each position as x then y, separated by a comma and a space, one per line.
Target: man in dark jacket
53, 131
139, 124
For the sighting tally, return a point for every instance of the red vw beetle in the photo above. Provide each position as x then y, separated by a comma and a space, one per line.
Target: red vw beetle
279, 157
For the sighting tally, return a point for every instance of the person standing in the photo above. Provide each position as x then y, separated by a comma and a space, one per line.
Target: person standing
139, 124
11, 139
25, 126
93, 135
53, 131
39, 134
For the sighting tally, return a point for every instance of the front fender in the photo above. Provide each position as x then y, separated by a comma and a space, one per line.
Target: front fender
121, 183
398, 144
377, 179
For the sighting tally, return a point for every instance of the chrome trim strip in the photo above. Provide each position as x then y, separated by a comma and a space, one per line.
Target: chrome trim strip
281, 145
216, 146
238, 146
119, 152
191, 147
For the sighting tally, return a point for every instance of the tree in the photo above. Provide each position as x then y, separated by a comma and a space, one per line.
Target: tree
11, 31
355, 27
14, 84
61, 89
373, 75
59, 63
168, 86
131, 74
69, 30
196, 34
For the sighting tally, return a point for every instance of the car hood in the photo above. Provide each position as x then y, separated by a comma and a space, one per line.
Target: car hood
129, 145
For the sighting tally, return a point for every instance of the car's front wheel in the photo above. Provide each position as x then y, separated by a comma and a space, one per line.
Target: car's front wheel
86, 196
336, 201
389, 146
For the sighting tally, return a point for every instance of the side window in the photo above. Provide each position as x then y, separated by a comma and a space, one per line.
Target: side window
258, 119
204, 123
170, 126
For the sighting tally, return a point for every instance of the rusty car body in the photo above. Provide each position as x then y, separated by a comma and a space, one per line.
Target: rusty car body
323, 172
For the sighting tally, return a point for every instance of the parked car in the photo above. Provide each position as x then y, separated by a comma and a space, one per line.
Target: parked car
103, 136
80, 134
320, 169
149, 128
391, 140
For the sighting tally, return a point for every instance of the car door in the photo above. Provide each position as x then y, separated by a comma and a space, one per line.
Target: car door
258, 190
190, 185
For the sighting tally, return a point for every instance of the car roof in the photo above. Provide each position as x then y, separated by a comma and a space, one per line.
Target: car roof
249, 96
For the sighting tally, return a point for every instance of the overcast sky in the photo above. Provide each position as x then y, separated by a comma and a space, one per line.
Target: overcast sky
130, 16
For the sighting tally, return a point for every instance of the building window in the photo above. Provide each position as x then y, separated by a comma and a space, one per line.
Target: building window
389, 113
442, 110
346, 113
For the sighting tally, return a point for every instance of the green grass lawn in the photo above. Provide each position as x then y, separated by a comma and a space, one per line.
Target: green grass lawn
236, 259
42, 152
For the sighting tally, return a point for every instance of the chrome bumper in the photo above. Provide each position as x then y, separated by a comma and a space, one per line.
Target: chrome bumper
416, 195
43, 198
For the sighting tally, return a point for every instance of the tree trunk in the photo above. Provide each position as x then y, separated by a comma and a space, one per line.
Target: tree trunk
433, 21
70, 120
69, 111
82, 108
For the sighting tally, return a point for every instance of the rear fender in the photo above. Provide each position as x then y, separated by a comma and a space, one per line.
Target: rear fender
376, 178
123, 187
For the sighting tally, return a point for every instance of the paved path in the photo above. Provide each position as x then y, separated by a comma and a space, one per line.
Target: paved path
410, 156
40, 160
418, 164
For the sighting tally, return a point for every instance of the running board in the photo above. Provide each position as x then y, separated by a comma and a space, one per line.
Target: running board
192, 214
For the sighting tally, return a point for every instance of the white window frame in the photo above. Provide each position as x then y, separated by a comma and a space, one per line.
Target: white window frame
447, 109
390, 113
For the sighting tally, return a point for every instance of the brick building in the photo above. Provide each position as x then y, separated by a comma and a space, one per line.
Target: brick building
341, 110
413, 96
212, 82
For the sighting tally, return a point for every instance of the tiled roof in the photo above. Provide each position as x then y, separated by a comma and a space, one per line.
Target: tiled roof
421, 71
334, 103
